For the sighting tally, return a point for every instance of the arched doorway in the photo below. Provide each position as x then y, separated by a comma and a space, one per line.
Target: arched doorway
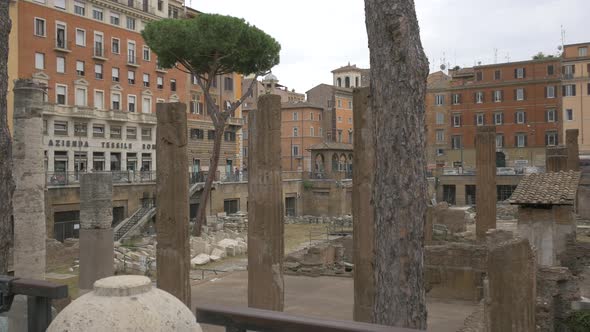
342, 163
319, 163
335, 162
347, 82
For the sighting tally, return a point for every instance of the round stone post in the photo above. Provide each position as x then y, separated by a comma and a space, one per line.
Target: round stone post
96, 232
265, 206
485, 198
172, 209
29, 177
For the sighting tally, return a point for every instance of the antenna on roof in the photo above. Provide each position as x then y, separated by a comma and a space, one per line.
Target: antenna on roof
507, 57
495, 55
562, 36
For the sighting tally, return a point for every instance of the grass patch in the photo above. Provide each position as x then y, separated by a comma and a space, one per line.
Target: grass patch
296, 234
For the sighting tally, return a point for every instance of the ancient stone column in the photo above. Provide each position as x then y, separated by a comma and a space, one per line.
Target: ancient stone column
556, 159
265, 206
96, 232
510, 300
362, 208
172, 207
29, 177
573, 150
485, 163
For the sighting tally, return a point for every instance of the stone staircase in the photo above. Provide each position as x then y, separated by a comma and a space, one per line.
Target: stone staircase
140, 217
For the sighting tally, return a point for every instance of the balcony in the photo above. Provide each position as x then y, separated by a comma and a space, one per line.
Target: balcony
99, 53
132, 60
235, 121
139, 5
62, 179
62, 45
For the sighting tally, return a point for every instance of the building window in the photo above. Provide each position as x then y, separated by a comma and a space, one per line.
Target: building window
39, 61
498, 118
440, 135
172, 85
80, 8
456, 120
551, 116
569, 90
480, 119
311, 132
131, 53
520, 94
130, 23
498, 96
115, 45
80, 95
229, 136
172, 12
311, 116
61, 36
131, 133
295, 150
497, 75
479, 76
519, 73
98, 99
160, 5
569, 71
339, 103
440, 152
321, 132
160, 82
196, 104
146, 105
479, 97
115, 74
115, 19
440, 118
60, 128
146, 53
520, 140
197, 133
130, 103
456, 98
98, 71
115, 132
499, 141
569, 114
520, 117
80, 37
550, 70
349, 120
456, 142
551, 138
350, 105
439, 100
295, 116
146, 80
61, 64
295, 131
230, 206
80, 129
97, 14
61, 94
39, 27
211, 134
61, 4
146, 134
98, 130
116, 101
228, 84
131, 77
582, 51
550, 91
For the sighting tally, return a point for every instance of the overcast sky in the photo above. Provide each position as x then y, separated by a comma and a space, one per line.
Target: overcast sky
318, 36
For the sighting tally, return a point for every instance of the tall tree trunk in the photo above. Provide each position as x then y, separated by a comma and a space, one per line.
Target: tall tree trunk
201, 212
399, 70
6, 182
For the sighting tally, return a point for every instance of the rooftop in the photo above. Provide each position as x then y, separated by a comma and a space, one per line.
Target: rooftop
331, 146
555, 188
302, 104
346, 68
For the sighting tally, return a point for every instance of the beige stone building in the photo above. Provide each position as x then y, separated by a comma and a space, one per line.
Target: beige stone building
576, 92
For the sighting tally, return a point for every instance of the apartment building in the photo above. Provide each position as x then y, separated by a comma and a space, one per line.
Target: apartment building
576, 92
522, 99
301, 128
438, 103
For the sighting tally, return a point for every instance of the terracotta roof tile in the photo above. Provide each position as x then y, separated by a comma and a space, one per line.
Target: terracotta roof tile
555, 188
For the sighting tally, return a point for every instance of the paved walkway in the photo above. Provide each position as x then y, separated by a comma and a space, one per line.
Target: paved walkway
324, 297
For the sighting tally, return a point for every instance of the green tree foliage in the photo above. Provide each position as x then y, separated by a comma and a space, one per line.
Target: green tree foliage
207, 46
541, 56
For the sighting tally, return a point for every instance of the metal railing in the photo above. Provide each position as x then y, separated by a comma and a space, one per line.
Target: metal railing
201, 177
61, 44
240, 319
60, 179
39, 295
99, 52
132, 60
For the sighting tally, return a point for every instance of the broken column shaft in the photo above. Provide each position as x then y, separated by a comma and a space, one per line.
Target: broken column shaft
96, 232
573, 150
485, 199
29, 177
172, 209
265, 206
556, 159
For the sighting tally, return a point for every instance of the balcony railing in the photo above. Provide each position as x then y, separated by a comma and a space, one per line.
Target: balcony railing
61, 179
63, 45
132, 60
240, 319
200, 177
99, 52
